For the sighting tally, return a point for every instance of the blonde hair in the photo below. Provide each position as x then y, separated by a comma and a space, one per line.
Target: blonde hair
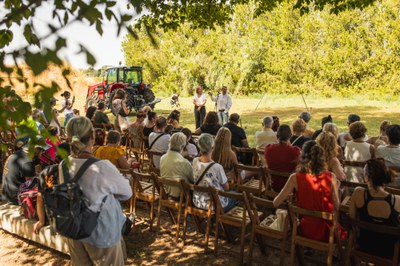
299, 126
222, 148
328, 142
332, 128
80, 130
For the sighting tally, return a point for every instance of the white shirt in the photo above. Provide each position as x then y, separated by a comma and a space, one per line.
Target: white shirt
356, 152
224, 102
390, 155
160, 145
66, 110
199, 100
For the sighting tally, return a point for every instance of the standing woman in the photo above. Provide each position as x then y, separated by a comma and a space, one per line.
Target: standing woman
67, 105
199, 101
121, 110
54, 120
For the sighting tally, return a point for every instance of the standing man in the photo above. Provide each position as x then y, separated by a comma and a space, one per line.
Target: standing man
223, 103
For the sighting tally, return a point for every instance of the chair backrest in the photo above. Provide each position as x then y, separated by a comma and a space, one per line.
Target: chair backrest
150, 156
166, 181
263, 204
350, 184
261, 158
268, 192
393, 190
354, 163
143, 177
190, 188
253, 151
216, 193
258, 171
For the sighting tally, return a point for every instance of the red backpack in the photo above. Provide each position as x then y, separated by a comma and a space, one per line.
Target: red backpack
27, 197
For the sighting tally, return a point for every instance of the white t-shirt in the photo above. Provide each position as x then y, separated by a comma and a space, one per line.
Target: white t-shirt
160, 145
66, 110
356, 152
199, 100
390, 155
215, 177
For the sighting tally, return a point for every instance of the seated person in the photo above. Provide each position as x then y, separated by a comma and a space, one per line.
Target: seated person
375, 205
17, 169
214, 176
113, 151
90, 112
159, 140
391, 152
173, 120
306, 116
316, 190
267, 135
99, 138
328, 142
299, 127
148, 127
135, 129
239, 138
222, 152
357, 150
276, 123
324, 120
344, 137
382, 139
190, 150
174, 165
210, 125
100, 118
281, 157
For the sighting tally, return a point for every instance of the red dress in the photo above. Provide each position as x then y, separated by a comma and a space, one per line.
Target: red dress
314, 193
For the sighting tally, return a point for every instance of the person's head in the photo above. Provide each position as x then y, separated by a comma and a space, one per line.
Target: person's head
267, 122
77, 112
140, 115
174, 115
376, 173
146, 109
357, 130
119, 94
224, 90
161, 123
187, 133
275, 124
90, 112
393, 134
205, 143
66, 94
352, 118
52, 130
20, 143
284, 133
113, 137
199, 90
65, 147
169, 128
211, 118
151, 116
326, 119
299, 126
99, 137
383, 126
223, 148
36, 114
177, 142
332, 128
223, 138
80, 130
306, 116
234, 118
102, 106
328, 142
53, 101
312, 158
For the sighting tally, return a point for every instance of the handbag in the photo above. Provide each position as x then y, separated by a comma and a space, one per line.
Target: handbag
279, 223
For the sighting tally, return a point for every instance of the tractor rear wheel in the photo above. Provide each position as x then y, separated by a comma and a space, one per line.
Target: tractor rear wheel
93, 100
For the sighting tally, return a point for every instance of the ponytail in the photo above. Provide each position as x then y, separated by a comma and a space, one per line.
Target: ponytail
80, 130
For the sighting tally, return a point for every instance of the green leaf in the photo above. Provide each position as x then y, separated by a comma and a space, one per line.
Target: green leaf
66, 17
36, 61
109, 14
90, 59
6, 36
99, 28
111, 3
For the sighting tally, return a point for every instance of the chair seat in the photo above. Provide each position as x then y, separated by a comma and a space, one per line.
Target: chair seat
268, 221
237, 214
254, 184
145, 185
149, 191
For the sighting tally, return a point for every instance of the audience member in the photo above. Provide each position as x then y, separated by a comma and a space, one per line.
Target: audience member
209, 176
316, 190
210, 125
357, 150
328, 142
149, 127
190, 150
344, 137
375, 205
173, 119
332, 128
391, 152
222, 152
37, 118
174, 166
146, 109
159, 140
239, 138
53, 142
113, 151
76, 113
99, 139
299, 127
267, 135
135, 130
324, 120
382, 139
306, 116
281, 157
121, 111
100, 118
101, 180
275, 124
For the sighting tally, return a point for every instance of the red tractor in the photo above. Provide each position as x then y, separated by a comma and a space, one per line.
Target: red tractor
128, 79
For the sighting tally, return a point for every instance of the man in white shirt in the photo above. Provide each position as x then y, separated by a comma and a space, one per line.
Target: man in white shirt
223, 103
159, 140
267, 135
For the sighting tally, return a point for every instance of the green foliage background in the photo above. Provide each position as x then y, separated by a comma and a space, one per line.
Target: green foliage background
281, 51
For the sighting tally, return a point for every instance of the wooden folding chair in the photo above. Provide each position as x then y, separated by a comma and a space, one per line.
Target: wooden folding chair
269, 193
247, 151
237, 217
261, 157
354, 253
169, 204
256, 185
144, 188
197, 214
297, 240
261, 227
152, 167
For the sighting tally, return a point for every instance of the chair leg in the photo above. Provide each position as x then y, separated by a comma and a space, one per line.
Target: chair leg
250, 258
159, 215
349, 248
151, 215
184, 227
293, 252
178, 225
216, 236
282, 252
242, 244
207, 233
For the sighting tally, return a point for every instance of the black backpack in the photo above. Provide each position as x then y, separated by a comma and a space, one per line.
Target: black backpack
66, 206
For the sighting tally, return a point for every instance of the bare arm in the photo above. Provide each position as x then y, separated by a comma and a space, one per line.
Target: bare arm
287, 190
41, 214
372, 151
337, 169
245, 143
226, 186
198, 131
123, 163
335, 192
356, 201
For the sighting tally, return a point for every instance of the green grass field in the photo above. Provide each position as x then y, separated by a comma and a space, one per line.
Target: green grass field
372, 111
